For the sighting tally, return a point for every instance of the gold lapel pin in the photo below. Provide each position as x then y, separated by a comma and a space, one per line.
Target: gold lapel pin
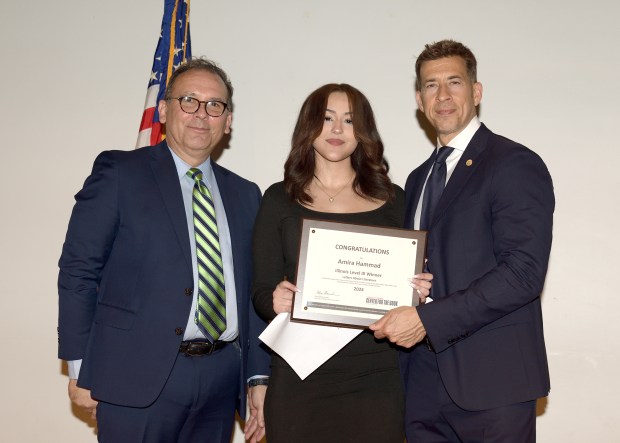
469, 162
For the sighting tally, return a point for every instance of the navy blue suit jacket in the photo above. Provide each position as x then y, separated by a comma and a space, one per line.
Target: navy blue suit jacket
488, 248
126, 275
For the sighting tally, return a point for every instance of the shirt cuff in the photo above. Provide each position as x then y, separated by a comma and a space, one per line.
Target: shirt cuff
258, 381
74, 368
256, 377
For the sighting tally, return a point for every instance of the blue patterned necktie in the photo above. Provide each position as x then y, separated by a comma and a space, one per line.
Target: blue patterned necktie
211, 307
434, 187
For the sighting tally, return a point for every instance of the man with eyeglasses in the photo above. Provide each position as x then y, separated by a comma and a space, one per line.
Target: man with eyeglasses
155, 317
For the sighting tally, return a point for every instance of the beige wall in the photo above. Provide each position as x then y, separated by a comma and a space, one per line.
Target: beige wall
74, 79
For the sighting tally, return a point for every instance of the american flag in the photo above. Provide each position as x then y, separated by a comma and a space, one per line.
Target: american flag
173, 48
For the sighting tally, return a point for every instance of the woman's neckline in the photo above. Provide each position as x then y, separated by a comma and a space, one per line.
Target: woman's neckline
342, 213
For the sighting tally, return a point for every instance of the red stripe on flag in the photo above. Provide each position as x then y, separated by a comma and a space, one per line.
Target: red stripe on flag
156, 133
147, 118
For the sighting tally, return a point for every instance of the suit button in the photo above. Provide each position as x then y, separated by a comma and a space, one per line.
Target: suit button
189, 291
178, 331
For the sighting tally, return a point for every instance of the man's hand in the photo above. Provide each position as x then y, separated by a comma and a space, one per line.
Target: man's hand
81, 398
401, 325
255, 424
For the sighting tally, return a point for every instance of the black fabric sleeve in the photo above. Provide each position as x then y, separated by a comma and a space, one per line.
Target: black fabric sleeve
268, 257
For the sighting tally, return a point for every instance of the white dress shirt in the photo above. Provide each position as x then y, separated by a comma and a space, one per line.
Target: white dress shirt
459, 143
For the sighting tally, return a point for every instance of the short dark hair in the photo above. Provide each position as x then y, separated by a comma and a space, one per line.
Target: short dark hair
442, 49
202, 64
371, 180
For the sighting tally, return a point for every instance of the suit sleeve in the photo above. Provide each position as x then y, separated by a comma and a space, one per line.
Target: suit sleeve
90, 236
259, 357
521, 204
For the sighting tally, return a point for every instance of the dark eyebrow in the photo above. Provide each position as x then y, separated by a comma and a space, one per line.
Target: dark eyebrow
212, 99
333, 112
450, 77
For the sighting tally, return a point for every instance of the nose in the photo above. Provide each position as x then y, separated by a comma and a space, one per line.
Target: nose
337, 128
202, 111
442, 93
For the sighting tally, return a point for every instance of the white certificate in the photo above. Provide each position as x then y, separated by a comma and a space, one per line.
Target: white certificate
351, 275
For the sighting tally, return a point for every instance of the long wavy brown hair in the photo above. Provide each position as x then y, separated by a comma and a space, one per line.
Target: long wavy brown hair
371, 179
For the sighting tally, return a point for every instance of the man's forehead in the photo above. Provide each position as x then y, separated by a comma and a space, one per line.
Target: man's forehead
453, 65
199, 78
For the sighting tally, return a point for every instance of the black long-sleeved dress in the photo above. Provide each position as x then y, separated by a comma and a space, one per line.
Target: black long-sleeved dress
357, 395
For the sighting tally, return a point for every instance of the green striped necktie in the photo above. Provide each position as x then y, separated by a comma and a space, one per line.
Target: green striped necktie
211, 307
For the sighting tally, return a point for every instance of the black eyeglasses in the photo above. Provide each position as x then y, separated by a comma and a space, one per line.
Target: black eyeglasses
191, 105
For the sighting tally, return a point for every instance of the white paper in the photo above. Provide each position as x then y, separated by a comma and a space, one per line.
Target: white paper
304, 346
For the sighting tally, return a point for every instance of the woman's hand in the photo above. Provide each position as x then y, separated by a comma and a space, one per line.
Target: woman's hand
422, 284
254, 429
283, 296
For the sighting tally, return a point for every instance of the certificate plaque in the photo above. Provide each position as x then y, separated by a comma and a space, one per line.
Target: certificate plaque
351, 275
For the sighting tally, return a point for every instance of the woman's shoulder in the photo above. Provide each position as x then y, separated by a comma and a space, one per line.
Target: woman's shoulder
395, 209
276, 190
399, 195
398, 191
276, 195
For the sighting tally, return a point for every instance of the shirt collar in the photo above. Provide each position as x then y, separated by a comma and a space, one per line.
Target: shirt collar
182, 167
463, 138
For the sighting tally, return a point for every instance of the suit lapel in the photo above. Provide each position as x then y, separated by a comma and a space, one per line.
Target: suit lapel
167, 180
224, 186
221, 176
465, 168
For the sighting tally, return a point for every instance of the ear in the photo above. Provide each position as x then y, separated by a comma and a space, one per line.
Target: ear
477, 93
162, 107
418, 99
228, 123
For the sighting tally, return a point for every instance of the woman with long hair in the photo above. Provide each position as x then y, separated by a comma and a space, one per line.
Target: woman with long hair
335, 171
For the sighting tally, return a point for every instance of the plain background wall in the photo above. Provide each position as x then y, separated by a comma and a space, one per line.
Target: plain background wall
74, 76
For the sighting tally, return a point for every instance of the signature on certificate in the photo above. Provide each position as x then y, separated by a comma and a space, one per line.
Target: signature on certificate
326, 295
